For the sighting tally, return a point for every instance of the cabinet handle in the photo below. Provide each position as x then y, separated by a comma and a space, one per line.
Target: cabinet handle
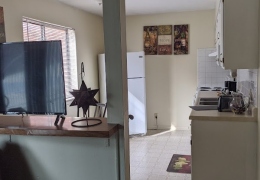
218, 35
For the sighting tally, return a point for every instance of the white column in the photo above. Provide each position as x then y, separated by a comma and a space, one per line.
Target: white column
116, 73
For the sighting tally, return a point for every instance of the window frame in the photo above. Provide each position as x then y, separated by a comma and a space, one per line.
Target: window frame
68, 60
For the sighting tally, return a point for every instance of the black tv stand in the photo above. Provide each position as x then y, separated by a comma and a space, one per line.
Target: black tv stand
60, 116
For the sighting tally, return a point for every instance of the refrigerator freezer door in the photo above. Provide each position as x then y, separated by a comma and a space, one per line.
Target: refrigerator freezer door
137, 106
135, 65
102, 78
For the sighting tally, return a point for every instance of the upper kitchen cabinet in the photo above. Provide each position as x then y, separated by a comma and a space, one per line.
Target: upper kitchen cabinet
237, 34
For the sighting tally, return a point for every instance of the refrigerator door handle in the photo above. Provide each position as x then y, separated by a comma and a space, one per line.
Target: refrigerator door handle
131, 117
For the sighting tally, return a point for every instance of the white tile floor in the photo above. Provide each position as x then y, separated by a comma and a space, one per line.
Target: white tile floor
150, 155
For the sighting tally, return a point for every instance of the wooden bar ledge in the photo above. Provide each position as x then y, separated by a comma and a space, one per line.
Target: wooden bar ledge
33, 125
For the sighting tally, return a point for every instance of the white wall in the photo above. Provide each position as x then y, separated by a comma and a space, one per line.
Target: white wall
88, 27
172, 79
247, 81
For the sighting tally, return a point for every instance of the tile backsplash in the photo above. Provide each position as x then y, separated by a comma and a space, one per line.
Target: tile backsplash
246, 80
209, 73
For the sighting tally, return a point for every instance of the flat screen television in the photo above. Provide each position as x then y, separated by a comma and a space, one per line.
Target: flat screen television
32, 78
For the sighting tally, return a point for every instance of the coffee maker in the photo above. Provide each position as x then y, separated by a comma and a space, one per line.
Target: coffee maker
231, 86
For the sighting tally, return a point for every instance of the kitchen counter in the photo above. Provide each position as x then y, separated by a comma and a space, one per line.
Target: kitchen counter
221, 140
44, 126
212, 115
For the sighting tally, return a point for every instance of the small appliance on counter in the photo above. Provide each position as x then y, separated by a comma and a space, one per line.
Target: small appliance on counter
231, 86
224, 103
225, 97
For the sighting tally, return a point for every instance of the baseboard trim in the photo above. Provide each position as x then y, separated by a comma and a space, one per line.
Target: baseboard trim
168, 128
182, 128
159, 128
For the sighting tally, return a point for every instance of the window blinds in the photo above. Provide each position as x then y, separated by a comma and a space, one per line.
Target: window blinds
34, 30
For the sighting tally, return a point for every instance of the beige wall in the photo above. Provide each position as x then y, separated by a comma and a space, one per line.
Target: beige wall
171, 80
88, 27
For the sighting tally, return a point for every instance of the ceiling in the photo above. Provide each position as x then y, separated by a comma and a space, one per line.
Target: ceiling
141, 7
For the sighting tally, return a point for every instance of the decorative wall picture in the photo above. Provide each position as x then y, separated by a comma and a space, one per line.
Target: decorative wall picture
150, 38
181, 39
2, 26
165, 40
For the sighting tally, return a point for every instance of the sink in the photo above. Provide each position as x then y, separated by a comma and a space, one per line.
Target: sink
208, 101
204, 104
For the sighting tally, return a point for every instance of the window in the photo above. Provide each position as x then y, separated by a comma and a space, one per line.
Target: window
34, 30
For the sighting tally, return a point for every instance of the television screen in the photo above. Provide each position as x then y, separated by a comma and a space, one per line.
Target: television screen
32, 78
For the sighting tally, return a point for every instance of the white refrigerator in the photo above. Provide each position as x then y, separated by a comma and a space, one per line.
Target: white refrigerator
136, 90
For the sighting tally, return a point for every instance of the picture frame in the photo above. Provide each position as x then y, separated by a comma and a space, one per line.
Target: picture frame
150, 40
181, 39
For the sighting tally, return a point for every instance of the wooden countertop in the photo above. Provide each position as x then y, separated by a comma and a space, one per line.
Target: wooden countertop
44, 126
214, 115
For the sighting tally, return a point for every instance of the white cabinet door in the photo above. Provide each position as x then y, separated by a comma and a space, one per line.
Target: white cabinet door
219, 34
237, 24
224, 150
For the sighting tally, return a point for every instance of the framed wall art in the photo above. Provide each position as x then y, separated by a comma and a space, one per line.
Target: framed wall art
2, 26
181, 39
165, 40
150, 39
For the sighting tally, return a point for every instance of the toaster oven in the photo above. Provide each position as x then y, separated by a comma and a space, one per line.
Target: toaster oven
224, 103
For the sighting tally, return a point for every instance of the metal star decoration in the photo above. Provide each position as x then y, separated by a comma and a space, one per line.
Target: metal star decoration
84, 97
